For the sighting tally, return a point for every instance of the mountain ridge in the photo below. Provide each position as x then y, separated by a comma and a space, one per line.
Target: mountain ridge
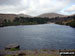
51, 15
12, 16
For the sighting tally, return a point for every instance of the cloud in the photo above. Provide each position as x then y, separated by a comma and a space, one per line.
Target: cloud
73, 1
37, 7
5, 9
71, 9
9, 2
12, 6
32, 7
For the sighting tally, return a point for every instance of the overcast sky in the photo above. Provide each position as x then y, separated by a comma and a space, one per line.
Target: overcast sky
37, 7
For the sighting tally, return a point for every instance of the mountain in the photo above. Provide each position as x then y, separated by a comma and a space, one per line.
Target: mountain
8, 16
24, 15
12, 16
51, 15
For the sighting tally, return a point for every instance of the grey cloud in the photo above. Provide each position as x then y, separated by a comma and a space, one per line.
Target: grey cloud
9, 2
33, 7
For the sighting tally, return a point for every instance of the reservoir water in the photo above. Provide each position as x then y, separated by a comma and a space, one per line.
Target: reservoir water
43, 36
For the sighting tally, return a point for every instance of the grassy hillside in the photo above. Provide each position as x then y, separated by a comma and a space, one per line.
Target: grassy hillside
68, 20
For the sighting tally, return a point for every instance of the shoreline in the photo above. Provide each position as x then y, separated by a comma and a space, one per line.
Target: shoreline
34, 52
36, 24
30, 53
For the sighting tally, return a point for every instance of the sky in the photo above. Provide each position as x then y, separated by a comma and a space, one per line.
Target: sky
37, 7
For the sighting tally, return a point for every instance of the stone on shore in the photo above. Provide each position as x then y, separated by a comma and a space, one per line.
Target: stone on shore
12, 47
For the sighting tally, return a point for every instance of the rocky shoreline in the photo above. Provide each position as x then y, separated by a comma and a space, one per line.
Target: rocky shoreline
29, 53
14, 50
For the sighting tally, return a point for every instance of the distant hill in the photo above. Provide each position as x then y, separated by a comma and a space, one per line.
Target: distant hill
51, 15
12, 16
8, 16
24, 15
23, 20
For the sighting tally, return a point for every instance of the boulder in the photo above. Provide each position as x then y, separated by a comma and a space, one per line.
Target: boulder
12, 47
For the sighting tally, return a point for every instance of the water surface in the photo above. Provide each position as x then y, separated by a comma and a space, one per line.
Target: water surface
44, 36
